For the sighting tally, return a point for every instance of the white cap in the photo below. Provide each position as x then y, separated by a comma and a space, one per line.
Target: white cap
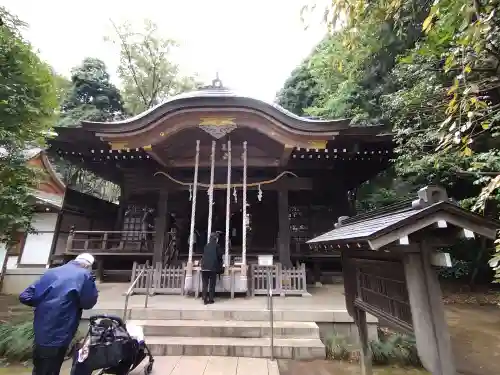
85, 257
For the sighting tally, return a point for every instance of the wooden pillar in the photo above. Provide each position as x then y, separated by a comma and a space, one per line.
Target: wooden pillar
284, 228
366, 353
53, 246
100, 269
429, 323
317, 273
160, 227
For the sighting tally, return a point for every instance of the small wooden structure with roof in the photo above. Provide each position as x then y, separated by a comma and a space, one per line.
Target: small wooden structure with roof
213, 160
387, 259
33, 249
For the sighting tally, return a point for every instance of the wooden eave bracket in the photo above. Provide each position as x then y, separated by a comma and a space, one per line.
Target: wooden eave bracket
285, 156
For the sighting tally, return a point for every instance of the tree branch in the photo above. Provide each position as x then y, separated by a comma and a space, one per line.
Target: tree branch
154, 85
130, 64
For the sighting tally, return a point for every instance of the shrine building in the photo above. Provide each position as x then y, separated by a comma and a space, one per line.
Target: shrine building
214, 161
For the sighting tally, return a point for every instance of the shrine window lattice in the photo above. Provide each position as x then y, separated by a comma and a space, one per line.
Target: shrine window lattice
383, 287
132, 222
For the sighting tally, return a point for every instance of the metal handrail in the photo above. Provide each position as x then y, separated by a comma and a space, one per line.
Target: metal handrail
149, 282
270, 307
129, 293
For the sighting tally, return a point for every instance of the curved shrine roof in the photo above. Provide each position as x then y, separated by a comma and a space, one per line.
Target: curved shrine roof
216, 98
165, 136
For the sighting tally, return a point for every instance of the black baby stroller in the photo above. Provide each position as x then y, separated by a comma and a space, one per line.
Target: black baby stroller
109, 347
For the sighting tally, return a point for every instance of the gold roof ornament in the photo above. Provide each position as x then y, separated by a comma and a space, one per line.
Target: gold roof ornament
320, 145
217, 127
118, 145
217, 121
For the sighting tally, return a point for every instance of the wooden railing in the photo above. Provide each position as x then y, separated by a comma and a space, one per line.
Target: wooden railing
142, 274
293, 280
164, 280
284, 281
109, 242
170, 280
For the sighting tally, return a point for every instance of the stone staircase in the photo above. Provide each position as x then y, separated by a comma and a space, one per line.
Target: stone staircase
203, 333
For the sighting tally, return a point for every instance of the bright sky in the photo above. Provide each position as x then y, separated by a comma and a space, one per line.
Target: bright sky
254, 44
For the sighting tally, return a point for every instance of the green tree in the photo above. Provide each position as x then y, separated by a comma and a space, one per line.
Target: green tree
27, 103
431, 72
147, 69
63, 87
91, 96
300, 90
88, 96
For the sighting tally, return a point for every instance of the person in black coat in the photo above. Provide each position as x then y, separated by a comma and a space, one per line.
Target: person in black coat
211, 266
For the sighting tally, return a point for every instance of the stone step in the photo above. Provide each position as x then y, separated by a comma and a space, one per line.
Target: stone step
227, 328
298, 349
289, 315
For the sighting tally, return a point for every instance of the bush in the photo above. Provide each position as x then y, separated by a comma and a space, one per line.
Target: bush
338, 348
395, 348
391, 349
16, 341
459, 270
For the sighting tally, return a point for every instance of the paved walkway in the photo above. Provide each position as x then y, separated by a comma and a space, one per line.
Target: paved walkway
211, 366
327, 297
186, 366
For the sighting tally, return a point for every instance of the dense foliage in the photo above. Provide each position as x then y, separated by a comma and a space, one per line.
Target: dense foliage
27, 103
430, 72
33, 99
300, 90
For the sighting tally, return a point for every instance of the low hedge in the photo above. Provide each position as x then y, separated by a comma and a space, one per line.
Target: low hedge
16, 341
390, 349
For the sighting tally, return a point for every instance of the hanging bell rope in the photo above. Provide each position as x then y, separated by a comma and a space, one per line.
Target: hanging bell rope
224, 186
228, 209
244, 204
210, 192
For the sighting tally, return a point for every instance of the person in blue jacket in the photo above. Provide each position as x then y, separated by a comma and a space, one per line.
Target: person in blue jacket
58, 298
